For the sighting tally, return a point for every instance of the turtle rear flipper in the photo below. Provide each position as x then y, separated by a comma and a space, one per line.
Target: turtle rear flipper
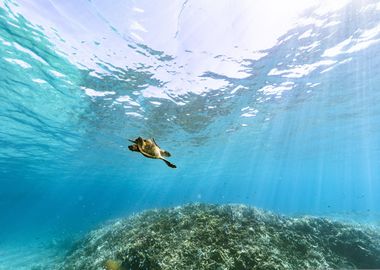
165, 153
171, 165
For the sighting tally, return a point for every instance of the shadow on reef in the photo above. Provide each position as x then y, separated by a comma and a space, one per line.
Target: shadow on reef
200, 236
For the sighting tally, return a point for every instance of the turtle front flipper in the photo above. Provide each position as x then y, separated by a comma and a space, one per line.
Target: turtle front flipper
171, 165
165, 153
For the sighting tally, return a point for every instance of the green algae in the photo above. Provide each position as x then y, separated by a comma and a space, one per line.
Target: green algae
200, 236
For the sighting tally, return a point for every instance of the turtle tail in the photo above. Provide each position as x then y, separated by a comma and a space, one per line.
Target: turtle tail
171, 165
165, 153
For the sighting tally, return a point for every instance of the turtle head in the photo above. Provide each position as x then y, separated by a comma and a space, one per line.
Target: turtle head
133, 147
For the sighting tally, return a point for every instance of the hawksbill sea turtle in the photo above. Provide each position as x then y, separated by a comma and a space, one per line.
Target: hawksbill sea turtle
150, 149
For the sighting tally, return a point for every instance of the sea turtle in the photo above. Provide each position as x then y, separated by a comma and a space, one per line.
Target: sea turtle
150, 149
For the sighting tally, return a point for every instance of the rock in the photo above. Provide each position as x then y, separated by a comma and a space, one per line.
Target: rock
200, 236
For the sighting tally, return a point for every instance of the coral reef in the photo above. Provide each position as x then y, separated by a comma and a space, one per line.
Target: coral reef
202, 236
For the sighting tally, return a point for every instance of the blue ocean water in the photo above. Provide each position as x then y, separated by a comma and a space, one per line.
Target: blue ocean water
258, 106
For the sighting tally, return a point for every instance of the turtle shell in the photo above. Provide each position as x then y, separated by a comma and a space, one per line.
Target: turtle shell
149, 148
